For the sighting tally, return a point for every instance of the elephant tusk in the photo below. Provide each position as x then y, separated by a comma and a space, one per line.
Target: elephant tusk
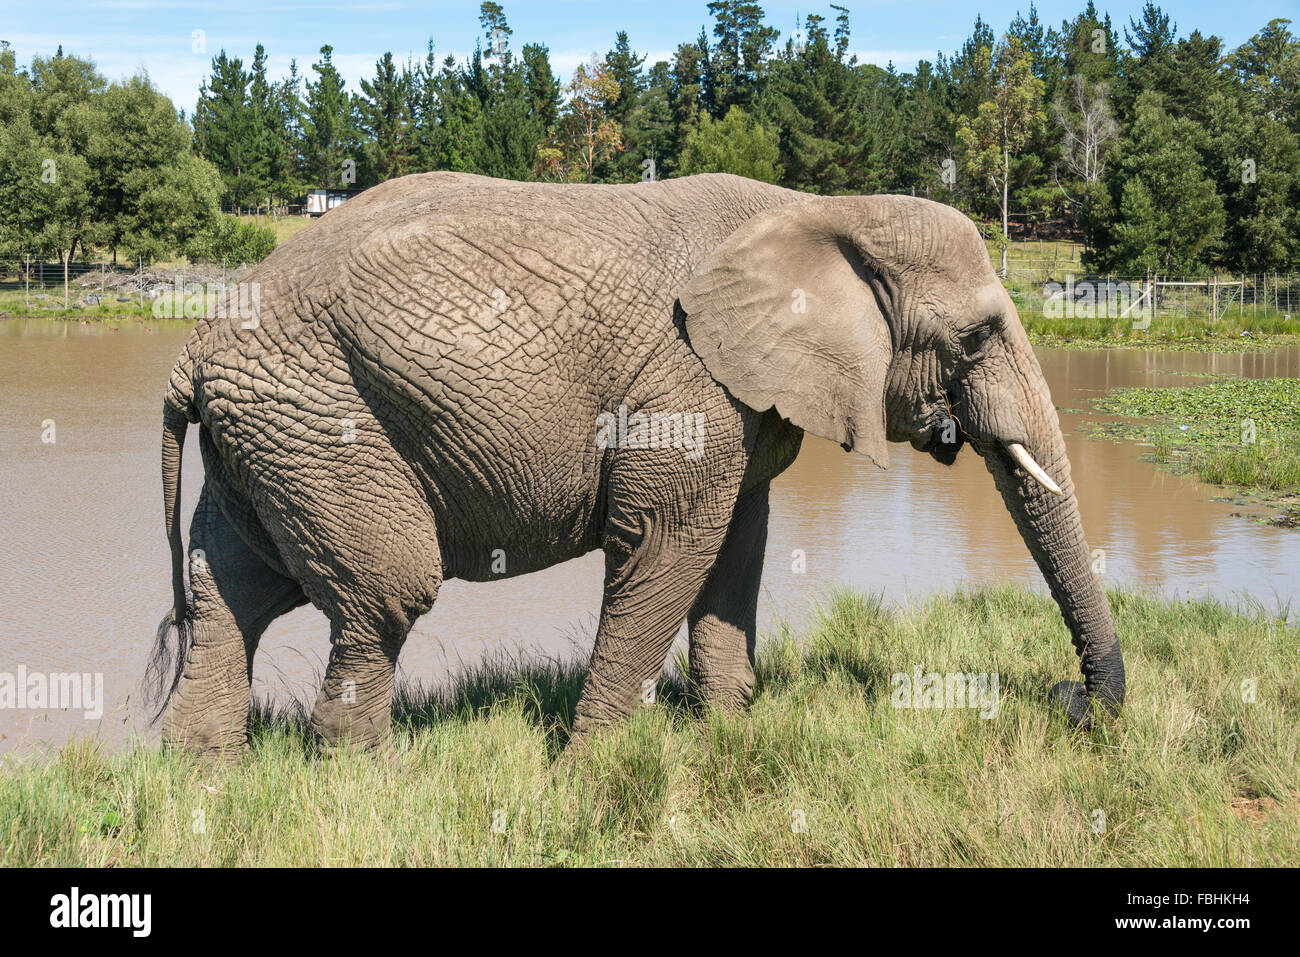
1026, 462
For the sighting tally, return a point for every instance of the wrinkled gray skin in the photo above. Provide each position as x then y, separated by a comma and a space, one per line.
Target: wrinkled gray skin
419, 395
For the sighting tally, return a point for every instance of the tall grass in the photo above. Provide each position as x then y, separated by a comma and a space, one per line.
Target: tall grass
1269, 468
284, 227
1116, 330
822, 771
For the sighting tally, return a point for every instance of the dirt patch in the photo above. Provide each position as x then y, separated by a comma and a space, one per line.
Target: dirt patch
1256, 810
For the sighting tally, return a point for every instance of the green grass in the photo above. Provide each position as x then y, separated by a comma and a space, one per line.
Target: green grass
1228, 334
1188, 774
1241, 433
15, 304
284, 227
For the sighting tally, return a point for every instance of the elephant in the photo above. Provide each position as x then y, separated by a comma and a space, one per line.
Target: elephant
452, 376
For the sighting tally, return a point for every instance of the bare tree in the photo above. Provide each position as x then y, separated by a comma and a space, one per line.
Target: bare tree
1084, 115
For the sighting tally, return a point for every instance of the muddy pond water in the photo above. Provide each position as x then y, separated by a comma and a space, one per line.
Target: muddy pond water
85, 576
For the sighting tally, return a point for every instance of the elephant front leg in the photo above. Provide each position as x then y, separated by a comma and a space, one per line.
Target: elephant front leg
656, 561
723, 620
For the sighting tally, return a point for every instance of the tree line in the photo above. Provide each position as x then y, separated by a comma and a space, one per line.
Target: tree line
1161, 149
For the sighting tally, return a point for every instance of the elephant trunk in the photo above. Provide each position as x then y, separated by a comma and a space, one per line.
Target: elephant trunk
1050, 526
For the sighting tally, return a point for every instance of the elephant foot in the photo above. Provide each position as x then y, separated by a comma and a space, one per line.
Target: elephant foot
1081, 708
213, 740
338, 726
578, 744
1072, 698
210, 755
728, 695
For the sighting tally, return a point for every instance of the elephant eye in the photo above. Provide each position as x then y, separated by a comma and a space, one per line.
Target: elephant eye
973, 342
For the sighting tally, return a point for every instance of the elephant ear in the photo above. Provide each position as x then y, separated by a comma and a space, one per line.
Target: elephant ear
786, 313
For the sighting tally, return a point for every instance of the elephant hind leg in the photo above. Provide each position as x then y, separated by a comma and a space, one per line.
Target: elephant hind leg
354, 707
389, 576
723, 620
235, 596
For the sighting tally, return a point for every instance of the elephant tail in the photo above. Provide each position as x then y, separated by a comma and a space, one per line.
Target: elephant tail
165, 668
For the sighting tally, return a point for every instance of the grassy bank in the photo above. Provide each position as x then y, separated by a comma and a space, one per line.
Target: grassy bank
1189, 774
15, 305
1190, 336
1243, 434
284, 227
47, 301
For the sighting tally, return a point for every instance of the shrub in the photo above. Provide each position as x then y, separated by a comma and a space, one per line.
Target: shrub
232, 241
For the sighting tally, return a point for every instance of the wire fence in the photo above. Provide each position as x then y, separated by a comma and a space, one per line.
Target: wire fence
1059, 287
40, 285
267, 212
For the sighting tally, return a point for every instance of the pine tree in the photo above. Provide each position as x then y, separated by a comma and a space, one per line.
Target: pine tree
455, 142
687, 94
1149, 63
1267, 66
329, 147
627, 110
385, 119
225, 130
286, 178
1255, 162
744, 43
817, 101
263, 133
1166, 216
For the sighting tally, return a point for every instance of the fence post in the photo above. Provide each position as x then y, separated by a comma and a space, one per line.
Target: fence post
140, 278
65, 279
27, 283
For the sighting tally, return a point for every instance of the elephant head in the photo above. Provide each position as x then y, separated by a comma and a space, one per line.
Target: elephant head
869, 320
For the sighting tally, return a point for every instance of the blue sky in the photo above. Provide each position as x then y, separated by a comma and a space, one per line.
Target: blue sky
123, 36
